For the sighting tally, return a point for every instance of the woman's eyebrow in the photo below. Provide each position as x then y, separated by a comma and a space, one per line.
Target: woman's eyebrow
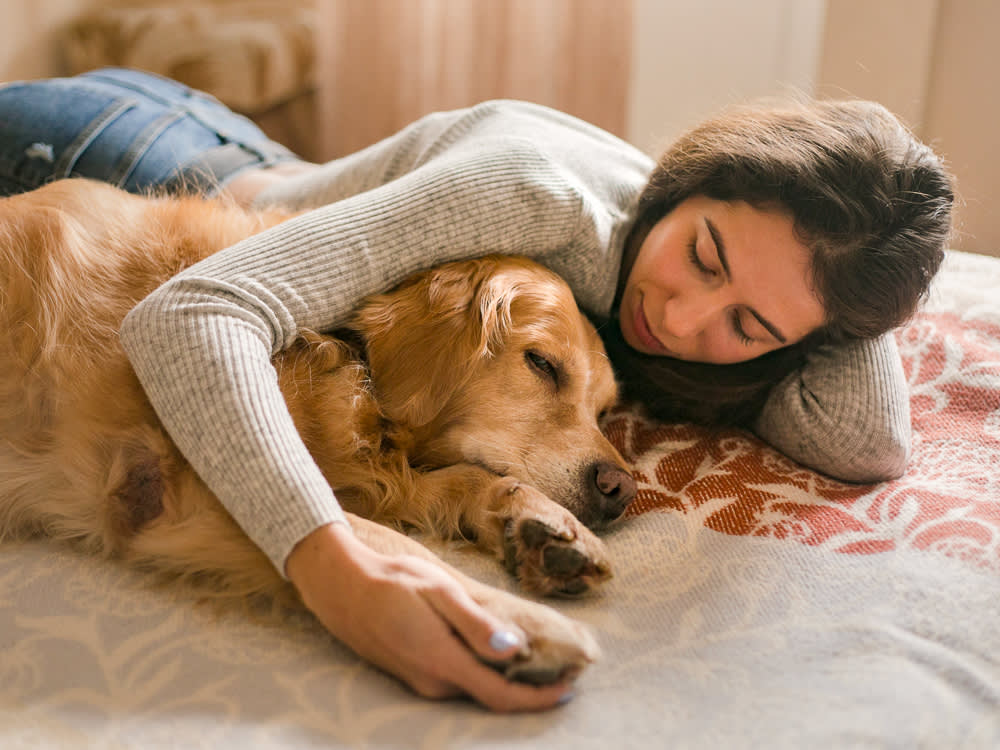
720, 249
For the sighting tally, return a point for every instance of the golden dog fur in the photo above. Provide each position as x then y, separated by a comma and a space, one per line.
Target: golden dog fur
464, 403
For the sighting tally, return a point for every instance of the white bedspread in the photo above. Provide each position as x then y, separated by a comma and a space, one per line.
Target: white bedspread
755, 604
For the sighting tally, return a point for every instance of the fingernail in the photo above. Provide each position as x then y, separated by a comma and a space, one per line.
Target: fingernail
502, 640
566, 697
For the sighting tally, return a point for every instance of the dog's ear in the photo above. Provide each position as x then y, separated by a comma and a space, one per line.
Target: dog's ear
426, 338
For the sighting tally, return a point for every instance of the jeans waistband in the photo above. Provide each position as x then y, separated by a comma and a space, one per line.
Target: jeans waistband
212, 169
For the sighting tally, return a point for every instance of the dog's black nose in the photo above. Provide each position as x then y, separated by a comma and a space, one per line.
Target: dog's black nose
615, 489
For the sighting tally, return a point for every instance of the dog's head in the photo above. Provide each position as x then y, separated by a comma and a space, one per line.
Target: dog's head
491, 362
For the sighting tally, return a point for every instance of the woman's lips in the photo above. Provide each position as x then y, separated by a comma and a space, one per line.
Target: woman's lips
641, 327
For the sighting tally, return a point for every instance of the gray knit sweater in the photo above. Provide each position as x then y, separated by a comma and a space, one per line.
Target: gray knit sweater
502, 177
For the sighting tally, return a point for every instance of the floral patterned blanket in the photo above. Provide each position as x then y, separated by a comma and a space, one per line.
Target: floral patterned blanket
755, 604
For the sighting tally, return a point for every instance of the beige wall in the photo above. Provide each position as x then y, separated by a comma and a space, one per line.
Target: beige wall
930, 61
934, 63
426, 55
692, 57
962, 116
880, 50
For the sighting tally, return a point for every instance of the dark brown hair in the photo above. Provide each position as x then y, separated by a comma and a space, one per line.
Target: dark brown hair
871, 202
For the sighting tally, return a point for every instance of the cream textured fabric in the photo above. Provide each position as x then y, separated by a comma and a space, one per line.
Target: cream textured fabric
755, 604
503, 177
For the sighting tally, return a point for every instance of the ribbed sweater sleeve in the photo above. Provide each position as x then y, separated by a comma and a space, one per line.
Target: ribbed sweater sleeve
202, 343
846, 413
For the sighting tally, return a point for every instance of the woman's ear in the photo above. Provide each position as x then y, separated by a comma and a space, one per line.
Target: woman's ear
426, 338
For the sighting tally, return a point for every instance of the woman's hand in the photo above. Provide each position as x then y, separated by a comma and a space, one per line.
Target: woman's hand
410, 618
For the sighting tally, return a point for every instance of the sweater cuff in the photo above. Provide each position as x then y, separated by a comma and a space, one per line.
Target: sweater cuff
284, 535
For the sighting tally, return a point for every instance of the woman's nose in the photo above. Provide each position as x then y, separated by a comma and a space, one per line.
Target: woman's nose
687, 315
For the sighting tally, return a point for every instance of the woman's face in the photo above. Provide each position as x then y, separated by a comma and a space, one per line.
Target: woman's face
719, 282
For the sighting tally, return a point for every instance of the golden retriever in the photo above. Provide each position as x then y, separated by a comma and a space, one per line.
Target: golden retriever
464, 403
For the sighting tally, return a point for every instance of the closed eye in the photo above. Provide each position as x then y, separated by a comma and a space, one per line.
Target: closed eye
542, 366
744, 338
696, 261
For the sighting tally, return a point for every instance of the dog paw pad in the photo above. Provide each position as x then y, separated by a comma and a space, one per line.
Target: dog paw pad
536, 534
550, 562
563, 561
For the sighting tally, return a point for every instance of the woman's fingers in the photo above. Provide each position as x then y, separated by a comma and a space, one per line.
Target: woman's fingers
494, 691
481, 634
488, 636
414, 620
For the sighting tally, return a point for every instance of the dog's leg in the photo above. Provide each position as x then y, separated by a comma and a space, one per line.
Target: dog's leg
556, 647
546, 546
192, 537
205, 546
539, 541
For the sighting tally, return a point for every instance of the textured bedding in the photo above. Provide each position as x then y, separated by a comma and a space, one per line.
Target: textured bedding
755, 604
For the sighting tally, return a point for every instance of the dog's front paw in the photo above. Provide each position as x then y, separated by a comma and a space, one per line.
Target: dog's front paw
552, 553
556, 647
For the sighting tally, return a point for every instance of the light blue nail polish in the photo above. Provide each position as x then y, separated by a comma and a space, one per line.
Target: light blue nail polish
566, 697
502, 640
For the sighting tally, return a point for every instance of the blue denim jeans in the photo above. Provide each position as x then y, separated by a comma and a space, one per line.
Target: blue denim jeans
136, 130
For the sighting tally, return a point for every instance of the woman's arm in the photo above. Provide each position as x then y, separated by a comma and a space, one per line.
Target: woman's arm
202, 343
845, 413
412, 619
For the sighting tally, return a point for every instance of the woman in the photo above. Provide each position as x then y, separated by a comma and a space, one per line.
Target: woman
751, 277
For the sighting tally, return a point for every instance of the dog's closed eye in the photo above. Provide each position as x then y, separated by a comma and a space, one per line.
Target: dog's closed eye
542, 366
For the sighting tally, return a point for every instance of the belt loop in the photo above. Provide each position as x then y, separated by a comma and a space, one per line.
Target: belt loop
140, 145
71, 154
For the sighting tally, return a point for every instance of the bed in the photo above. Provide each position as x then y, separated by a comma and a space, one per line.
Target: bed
755, 604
